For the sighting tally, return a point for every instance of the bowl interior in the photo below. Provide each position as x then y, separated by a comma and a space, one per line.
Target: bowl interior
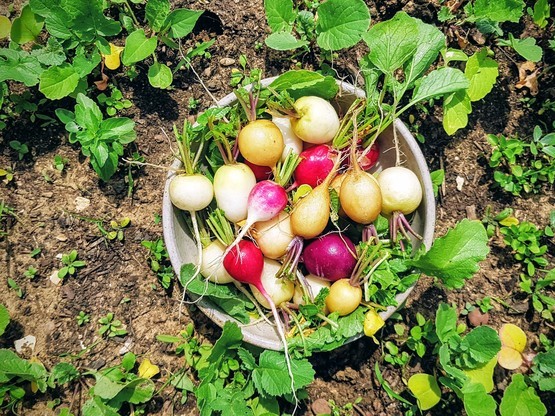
182, 250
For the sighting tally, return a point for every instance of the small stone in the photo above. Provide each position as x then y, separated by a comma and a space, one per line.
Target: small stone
61, 237
460, 183
27, 342
81, 203
54, 278
227, 61
68, 292
212, 86
321, 407
159, 138
47, 194
207, 72
126, 347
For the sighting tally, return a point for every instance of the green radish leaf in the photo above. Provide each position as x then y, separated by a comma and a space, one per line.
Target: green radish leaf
520, 399
426, 390
438, 83
544, 370
541, 12
482, 72
284, 41
430, 41
181, 22
302, 82
52, 54
156, 12
5, 27
280, 15
455, 256
87, 114
26, 27
95, 406
138, 47
481, 344
483, 374
500, 10
159, 75
476, 401
526, 48
446, 322
84, 63
58, 81
456, 108
19, 66
393, 42
341, 23
4, 319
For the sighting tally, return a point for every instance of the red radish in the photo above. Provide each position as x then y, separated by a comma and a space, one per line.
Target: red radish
332, 256
368, 159
246, 264
261, 173
316, 163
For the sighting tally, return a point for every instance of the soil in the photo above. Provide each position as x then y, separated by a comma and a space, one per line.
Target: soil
56, 212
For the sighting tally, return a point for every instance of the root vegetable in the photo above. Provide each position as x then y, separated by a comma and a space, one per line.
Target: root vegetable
273, 236
261, 143
318, 121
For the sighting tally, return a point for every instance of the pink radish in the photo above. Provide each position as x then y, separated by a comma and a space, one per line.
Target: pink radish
316, 163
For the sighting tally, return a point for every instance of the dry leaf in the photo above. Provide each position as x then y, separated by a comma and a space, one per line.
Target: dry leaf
526, 79
102, 85
513, 342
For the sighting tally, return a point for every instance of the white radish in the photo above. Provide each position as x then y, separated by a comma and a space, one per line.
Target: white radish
211, 267
232, 186
279, 290
273, 236
315, 286
291, 141
401, 190
317, 122
191, 192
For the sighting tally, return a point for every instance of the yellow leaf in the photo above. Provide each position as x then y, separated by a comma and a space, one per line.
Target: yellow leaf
426, 390
513, 337
112, 61
301, 192
5, 27
509, 358
483, 375
372, 323
147, 369
507, 222
34, 387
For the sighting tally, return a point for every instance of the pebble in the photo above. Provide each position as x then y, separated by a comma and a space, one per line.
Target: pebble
212, 86
81, 203
68, 292
54, 278
227, 61
460, 183
321, 407
159, 138
47, 194
126, 347
24, 343
207, 72
61, 237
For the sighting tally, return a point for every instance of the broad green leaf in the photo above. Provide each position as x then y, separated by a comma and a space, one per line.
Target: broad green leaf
426, 390
87, 113
181, 22
26, 27
483, 374
159, 75
138, 47
541, 13
499, 10
19, 66
5, 27
284, 41
476, 401
341, 23
302, 82
456, 108
455, 256
84, 63
156, 12
58, 81
272, 378
544, 370
96, 407
430, 41
4, 319
526, 48
11, 366
121, 129
482, 343
482, 72
446, 322
63, 373
90, 21
438, 83
59, 24
521, 400
280, 15
393, 42
52, 54
455, 55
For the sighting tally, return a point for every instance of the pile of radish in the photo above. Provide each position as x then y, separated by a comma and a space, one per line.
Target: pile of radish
287, 215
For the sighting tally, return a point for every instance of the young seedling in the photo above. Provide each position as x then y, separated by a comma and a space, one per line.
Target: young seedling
21, 148
12, 284
111, 327
60, 162
115, 102
117, 229
31, 272
71, 264
82, 318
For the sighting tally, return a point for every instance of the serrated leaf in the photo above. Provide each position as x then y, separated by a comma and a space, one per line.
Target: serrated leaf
341, 23
455, 256
271, 376
284, 41
52, 54
58, 81
26, 27
181, 22
4, 319
19, 66
96, 407
156, 12
482, 73
280, 15
426, 390
84, 63
138, 47
392, 43
500, 10
302, 82
482, 343
160, 75
519, 399
431, 41
456, 108
438, 83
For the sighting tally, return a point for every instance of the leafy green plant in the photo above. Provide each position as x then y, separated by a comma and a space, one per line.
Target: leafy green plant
117, 229
234, 376
71, 264
111, 327
340, 24
21, 148
523, 166
12, 284
6, 212
101, 139
525, 47
30, 273
60, 162
82, 318
113, 102
159, 261
540, 13
4, 319
542, 301
7, 175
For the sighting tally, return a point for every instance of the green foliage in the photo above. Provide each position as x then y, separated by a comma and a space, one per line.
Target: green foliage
60, 162
235, 378
159, 261
71, 264
114, 102
340, 24
101, 139
117, 229
12, 284
437, 177
26, 27
4, 319
82, 318
543, 370
489, 15
111, 327
523, 166
525, 47
30, 273
21, 148
520, 399
540, 13
525, 239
